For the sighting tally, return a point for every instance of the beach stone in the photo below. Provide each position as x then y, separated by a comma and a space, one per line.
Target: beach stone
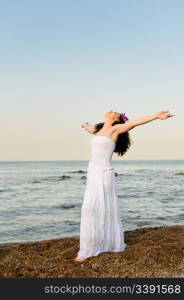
79, 171
180, 173
64, 177
83, 177
68, 206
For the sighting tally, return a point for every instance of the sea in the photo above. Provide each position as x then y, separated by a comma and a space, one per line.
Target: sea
38, 203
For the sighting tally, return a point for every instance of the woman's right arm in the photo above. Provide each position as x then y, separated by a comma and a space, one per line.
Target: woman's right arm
88, 127
162, 115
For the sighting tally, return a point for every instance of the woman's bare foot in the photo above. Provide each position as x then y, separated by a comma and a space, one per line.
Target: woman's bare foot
79, 259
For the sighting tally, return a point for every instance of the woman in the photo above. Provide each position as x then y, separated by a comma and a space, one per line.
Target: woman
101, 229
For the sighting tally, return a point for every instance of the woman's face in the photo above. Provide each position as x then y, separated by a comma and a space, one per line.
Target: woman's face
112, 115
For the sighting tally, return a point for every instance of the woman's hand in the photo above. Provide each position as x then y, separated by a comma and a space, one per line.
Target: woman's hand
83, 124
90, 128
164, 114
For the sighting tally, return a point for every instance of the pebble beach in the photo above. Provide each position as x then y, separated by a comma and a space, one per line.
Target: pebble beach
151, 253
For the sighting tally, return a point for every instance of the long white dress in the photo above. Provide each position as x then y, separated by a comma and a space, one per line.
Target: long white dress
101, 229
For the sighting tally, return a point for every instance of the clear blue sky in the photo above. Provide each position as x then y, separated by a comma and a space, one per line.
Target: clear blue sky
67, 62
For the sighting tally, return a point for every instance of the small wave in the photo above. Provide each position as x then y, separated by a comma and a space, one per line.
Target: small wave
50, 178
143, 223
7, 190
180, 216
124, 174
70, 222
128, 196
142, 170
161, 218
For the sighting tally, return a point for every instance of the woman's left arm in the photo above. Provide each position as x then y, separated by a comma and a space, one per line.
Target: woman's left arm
88, 127
162, 115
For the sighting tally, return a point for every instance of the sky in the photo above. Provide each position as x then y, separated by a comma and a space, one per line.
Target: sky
64, 63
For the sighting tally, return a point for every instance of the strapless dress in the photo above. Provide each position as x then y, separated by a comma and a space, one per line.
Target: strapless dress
101, 229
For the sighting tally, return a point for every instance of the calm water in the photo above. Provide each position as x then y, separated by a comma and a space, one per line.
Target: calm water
35, 204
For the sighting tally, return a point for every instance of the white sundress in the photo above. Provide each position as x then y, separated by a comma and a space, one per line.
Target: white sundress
101, 229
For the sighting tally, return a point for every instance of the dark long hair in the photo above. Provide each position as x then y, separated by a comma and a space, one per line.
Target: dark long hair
123, 142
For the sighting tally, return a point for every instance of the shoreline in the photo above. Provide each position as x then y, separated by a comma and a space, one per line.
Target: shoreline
151, 252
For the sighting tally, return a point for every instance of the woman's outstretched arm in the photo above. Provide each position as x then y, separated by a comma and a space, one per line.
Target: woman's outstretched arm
90, 128
162, 115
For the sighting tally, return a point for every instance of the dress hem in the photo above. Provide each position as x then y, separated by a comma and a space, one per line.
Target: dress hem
107, 250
